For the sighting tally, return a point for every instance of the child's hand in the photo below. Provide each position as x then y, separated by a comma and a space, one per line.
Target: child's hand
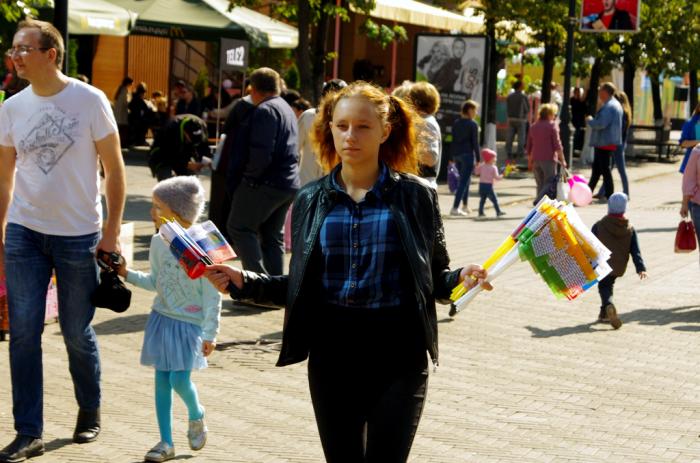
221, 275
643, 275
121, 271
208, 347
472, 275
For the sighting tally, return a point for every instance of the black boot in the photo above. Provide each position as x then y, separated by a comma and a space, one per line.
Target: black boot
21, 448
88, 426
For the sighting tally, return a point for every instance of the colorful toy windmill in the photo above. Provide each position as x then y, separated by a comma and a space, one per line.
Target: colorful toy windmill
558, 246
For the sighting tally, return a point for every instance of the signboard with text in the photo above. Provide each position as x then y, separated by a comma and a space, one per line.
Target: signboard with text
234, 55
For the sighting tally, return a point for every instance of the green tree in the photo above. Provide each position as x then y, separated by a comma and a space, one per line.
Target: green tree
661, 46
11, 12
314, 19
503, 21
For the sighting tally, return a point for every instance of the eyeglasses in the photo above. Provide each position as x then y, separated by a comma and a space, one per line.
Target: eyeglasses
23, 50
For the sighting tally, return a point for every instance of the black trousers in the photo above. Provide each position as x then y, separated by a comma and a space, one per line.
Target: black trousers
601, 166
605, 288
366, 413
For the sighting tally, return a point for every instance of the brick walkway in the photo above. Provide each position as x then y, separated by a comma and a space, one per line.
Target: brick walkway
523, 377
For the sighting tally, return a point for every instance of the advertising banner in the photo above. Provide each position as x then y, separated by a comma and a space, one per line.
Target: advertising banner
610, 16
457, 66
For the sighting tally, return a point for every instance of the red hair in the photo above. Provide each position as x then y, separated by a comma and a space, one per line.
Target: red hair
399, 151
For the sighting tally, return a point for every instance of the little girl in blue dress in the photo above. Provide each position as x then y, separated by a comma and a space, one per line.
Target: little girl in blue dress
184, 321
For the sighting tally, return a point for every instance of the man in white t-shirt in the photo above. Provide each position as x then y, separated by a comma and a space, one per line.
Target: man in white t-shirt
51, 135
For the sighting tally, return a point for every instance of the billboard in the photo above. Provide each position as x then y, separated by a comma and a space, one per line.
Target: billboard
610, 16
457, 66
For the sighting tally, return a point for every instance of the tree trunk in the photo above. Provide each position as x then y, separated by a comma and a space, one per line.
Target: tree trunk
656, 99
693, 90
550, 52
630, 69
302, 52
318, 60
592, 96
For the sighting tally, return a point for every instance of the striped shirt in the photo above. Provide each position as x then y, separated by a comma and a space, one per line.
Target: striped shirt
361, 250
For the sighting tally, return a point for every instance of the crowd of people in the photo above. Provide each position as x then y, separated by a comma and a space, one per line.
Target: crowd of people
359, 175
364, 137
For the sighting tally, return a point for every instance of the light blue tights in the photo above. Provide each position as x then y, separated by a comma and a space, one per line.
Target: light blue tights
166, 381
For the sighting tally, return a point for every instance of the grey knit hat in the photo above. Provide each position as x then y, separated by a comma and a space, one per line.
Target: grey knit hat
617, 203
183, 194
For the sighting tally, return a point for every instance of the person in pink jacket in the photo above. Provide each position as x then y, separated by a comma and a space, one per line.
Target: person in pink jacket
488, 174
691, 190
544, 147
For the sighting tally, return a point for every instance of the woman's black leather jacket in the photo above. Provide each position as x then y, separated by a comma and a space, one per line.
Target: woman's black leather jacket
414, 206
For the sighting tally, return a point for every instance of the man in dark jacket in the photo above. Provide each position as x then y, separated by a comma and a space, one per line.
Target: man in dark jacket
179, 147
518, 110
226, 175
270, 178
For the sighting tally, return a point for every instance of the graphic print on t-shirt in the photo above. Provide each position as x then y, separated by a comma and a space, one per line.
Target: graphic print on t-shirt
49, 139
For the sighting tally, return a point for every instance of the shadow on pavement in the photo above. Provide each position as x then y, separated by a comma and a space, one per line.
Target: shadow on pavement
141, 247
178, 457
242, 309
57, 444
121, 324
648, 317
656, 230
137, 208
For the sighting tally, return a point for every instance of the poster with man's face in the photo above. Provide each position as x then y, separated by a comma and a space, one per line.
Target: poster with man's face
610, 15
456, 65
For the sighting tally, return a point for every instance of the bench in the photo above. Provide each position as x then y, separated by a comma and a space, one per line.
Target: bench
654, 135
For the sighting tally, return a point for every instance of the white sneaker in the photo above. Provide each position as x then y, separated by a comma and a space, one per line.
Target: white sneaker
197, 434
457, 212
161, 452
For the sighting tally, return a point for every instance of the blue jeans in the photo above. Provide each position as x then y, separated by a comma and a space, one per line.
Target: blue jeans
694, 213
30, 257
486, 192
466, 167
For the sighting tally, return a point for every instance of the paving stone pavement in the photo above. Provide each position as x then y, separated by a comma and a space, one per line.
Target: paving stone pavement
523, 377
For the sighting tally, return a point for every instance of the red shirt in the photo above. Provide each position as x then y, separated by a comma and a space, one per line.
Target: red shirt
607, 19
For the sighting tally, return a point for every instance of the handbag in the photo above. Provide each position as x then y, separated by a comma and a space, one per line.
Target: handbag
563, 187
685, 237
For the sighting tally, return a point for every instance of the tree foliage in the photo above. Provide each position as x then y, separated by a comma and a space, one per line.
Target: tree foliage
314, 18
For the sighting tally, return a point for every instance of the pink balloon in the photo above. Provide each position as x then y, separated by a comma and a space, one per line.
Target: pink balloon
577, 179
580, 194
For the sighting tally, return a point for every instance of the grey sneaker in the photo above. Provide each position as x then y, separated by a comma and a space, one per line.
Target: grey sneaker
161, 452
457, 212
611, 313
197, 434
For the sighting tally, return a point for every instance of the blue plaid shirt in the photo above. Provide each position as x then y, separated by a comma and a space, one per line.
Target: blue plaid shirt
361, 250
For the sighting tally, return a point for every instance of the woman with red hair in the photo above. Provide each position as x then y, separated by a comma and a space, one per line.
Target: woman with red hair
368, 263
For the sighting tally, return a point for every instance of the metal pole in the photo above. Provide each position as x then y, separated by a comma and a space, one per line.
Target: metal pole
219, 93
60, 21
565, 127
